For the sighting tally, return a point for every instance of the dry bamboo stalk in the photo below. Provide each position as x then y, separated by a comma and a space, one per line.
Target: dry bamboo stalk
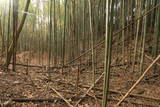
148, 57
116, 33
61, 96
89, 90
138, 81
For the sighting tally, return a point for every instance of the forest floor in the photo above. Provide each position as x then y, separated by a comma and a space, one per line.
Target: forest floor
37, 84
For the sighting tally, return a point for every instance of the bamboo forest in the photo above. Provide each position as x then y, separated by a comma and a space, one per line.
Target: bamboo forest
79, 53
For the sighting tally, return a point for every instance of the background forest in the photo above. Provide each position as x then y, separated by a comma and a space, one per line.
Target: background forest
71, 44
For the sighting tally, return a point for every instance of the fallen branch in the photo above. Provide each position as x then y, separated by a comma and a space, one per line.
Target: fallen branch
51, 100
31, 100
138, 81
150, 58
131, 95
134, 103
61, 96
52, 67
110, 91
89, 89
36, 66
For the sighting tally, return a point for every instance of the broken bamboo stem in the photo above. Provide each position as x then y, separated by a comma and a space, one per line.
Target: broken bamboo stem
138, 81
89, 89
61, 96
150, 58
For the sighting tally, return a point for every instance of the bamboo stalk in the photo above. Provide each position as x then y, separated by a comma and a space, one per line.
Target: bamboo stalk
61, 96
89, 90
116, 33
108, 49
144, 39
138, 81
150, 58
92, 40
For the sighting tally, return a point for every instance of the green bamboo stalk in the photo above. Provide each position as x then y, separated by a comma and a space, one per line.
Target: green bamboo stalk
137, 32
108, 48
157, 34
64, 36
92, 40
50, 34
123, 32
144, 38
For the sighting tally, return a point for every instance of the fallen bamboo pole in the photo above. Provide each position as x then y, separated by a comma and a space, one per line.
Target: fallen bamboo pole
150, 58
110, 91
89, 89
138, 81
31, 99
61, 96
51, 100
